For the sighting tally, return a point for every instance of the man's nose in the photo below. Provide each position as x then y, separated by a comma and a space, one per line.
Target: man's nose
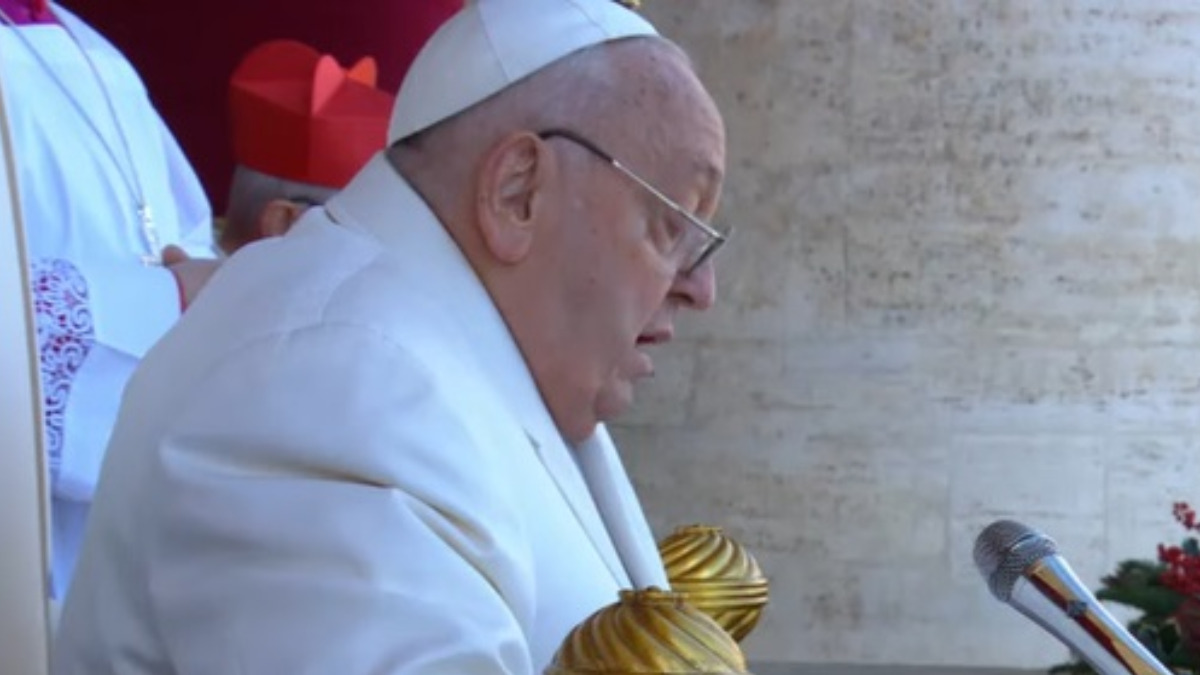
697, 290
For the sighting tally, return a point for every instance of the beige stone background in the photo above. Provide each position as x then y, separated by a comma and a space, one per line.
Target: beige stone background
964, 287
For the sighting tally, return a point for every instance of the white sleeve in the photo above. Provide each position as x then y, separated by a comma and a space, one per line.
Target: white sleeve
124, 310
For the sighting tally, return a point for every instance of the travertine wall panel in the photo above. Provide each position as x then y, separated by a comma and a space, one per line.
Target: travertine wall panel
965, 285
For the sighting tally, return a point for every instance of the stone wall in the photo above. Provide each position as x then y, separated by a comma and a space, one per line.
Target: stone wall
964, 286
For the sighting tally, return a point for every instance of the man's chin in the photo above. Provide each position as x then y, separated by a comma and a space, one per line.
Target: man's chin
614, 402
608, 405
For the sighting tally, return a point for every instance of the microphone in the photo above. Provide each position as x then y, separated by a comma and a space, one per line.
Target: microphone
1023, 569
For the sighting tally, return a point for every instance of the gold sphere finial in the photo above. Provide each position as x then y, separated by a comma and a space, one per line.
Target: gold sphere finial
648, 632
717, 575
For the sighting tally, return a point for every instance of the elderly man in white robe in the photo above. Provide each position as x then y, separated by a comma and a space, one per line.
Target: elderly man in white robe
376, 444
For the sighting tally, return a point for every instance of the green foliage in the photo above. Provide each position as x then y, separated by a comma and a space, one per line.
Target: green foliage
1137, 584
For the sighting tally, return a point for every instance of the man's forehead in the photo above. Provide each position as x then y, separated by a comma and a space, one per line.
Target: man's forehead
691, 118
702, 151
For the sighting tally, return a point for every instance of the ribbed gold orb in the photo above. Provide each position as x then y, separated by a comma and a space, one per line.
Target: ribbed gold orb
716, 575
648, 632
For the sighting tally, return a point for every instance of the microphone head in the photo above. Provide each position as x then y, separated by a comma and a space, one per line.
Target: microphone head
1005, 549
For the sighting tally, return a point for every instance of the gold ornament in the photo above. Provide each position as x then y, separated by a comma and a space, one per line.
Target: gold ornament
631, 4
717, 576
648, 632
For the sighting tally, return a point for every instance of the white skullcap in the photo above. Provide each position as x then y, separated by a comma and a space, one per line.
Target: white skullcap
491, 44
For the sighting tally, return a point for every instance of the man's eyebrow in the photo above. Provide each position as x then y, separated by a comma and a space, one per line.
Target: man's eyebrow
709, 170
706, 169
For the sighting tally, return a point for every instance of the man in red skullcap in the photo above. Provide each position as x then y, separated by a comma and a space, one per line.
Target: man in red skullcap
186, 52
301, 127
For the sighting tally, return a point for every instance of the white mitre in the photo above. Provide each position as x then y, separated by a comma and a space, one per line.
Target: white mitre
491, 44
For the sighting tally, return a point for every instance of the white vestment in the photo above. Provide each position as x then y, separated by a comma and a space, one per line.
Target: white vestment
99, 306
338, 462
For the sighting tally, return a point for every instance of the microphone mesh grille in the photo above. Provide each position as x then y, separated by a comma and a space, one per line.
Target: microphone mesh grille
1005, 549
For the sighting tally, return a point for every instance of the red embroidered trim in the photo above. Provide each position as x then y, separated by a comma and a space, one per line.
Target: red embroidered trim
65, 333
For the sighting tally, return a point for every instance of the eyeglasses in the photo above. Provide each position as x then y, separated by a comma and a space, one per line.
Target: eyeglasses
694, 246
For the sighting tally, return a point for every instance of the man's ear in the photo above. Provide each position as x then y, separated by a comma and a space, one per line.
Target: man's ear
511, 179
277, 216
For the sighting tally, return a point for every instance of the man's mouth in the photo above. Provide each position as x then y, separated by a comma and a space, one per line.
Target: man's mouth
650, 338
656, 336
